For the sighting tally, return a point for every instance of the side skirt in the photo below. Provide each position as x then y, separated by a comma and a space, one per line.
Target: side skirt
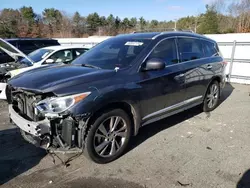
171, 113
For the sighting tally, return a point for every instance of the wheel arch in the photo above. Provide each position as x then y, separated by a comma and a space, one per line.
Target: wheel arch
131, 110
215, 78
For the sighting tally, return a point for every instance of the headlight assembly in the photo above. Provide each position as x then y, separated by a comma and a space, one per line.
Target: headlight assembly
56, 105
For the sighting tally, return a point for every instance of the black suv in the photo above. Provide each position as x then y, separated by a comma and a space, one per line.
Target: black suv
102, 99
26, 45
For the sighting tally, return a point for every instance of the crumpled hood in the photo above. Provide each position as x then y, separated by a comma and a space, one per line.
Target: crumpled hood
47, 79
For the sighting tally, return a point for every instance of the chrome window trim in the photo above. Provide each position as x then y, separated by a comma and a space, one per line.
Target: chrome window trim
177, 50
199, 38
214, 43
153, 50
164, 110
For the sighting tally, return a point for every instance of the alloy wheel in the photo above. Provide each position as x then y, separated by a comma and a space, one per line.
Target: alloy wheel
110, 136
212, 96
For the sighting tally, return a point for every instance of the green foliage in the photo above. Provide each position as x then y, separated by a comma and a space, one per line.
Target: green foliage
133, 22
24, 22
28, 14
154, 23
77, 24
77, 18
188, 22
142, 23
52, 16
9, 19
93, 23
209, 21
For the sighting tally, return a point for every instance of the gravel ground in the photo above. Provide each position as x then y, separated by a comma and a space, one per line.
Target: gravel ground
191, 149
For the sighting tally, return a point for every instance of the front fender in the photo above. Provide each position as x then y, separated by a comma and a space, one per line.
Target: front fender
101, 100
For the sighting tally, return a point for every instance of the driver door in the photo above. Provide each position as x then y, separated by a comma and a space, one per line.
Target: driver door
163, 89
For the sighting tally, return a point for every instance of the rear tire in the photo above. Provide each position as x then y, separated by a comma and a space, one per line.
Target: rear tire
211, 100
108, 136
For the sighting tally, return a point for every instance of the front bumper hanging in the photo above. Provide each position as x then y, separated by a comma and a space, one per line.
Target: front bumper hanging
34, 128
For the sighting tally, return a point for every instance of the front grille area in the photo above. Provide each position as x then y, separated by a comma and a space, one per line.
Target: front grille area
23, 103
25, 106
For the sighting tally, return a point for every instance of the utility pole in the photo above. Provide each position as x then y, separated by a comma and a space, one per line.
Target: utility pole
175, 24
196, 23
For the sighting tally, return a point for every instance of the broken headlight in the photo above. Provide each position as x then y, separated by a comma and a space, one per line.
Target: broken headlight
56, 105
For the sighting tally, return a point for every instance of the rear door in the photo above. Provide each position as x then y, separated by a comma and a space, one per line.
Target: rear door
196, 67
163, 90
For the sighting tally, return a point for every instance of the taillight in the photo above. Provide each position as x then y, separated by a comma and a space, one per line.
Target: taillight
224, 63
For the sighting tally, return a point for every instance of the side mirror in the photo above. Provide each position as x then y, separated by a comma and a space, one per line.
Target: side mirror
49, 61
154, 64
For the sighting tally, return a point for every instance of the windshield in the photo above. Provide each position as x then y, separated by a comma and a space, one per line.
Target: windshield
37, 55
113, 53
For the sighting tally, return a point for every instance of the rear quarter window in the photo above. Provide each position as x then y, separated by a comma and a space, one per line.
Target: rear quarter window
13, 42
45, 43
27, 45
50, 43
210, 49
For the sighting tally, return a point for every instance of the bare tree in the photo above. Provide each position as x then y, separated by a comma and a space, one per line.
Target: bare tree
241, 10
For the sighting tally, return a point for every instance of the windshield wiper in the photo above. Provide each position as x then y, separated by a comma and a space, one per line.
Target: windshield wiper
90, 66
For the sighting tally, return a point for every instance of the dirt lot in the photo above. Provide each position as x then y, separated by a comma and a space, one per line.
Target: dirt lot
191, 149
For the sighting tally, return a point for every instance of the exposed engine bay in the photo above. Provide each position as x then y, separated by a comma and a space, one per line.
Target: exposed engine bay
60, 132
6, 67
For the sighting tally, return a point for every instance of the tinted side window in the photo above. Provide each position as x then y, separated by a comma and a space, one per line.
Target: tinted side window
190, 49
210, 49
49, 42
13, 42
165, 50
27, 45
38, 44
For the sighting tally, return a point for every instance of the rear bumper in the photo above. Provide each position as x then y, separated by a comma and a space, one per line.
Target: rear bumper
34, 128
2, 90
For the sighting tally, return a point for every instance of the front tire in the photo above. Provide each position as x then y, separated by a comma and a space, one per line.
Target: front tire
211, 100
108, 136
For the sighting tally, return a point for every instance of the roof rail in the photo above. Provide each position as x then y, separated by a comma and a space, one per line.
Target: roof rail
162, 30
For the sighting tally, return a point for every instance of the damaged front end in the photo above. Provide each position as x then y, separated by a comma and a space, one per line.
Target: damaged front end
44, 122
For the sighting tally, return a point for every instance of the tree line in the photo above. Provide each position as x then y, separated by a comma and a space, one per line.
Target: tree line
24, 22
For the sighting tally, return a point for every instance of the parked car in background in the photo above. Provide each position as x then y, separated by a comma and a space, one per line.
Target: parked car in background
26, 45
40, 57
103, 97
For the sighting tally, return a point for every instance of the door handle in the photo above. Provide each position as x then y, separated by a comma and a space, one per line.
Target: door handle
209, 67
180, 77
